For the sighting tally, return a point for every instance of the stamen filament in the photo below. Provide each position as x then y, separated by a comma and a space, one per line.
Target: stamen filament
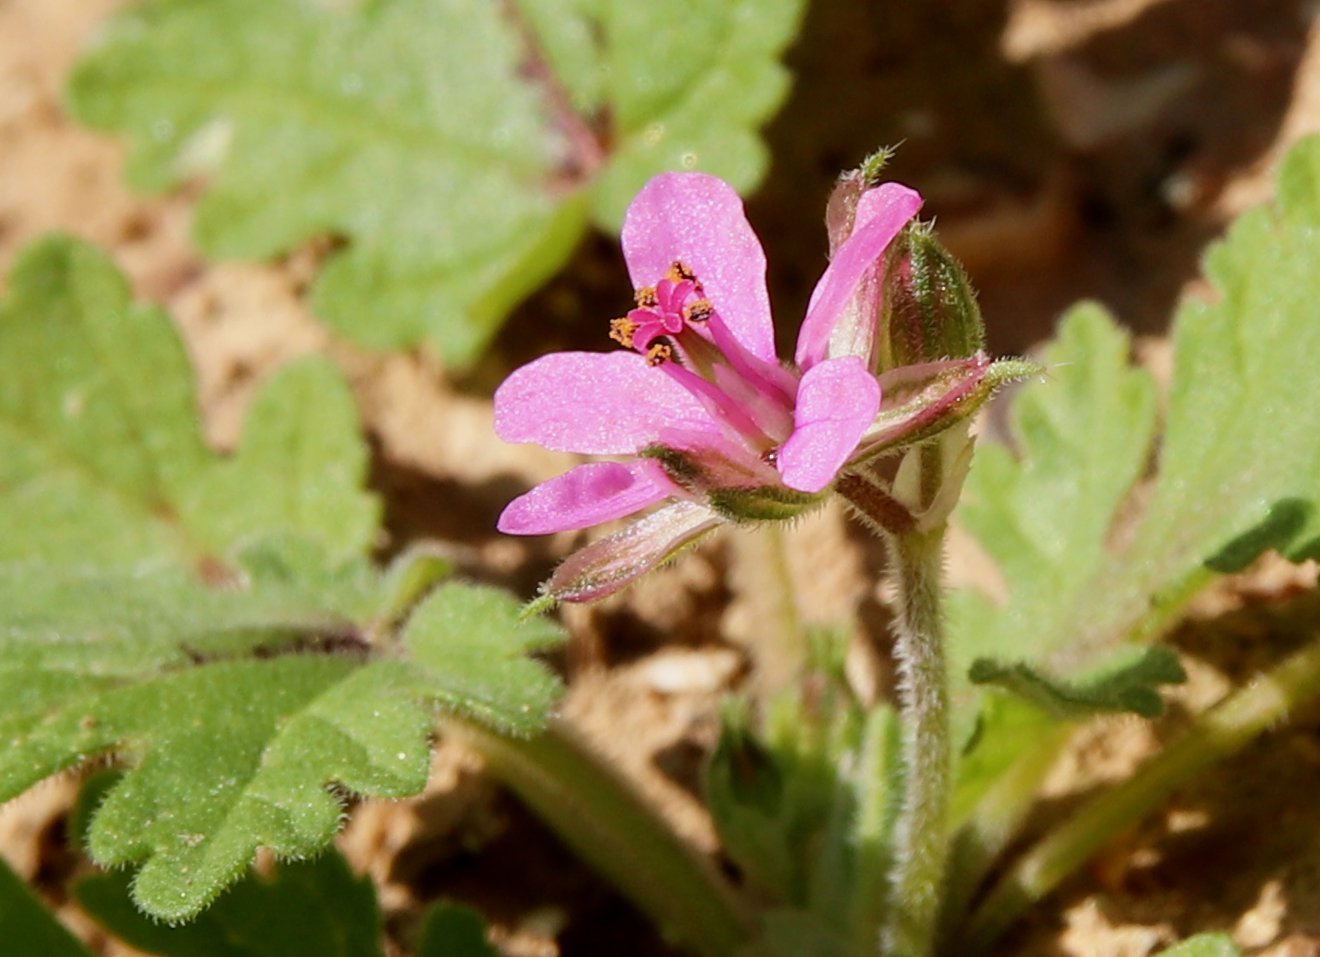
721, 406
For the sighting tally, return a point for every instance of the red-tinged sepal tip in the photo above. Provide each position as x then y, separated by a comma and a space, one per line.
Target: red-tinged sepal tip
923, 401
610, 563
841, 207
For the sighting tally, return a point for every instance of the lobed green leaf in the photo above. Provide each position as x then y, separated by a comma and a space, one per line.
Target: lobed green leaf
211, 624
458, 150
315, 908
102, 461
1044, 513
1129, 687
1239, 458
1238, 468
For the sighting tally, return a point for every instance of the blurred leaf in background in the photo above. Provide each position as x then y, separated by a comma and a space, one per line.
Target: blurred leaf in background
456, 151
1204, 945
24, 918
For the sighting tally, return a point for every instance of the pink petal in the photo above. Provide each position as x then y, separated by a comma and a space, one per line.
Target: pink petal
698, 219
606, 565
585, 496
836, 402
602, 403
881, 213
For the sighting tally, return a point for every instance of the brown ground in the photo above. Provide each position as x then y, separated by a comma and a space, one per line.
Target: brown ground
1087, 148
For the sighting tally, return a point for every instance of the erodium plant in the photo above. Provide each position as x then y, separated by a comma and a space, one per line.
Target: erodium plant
722, 432
216, 643
214, 630
860, 823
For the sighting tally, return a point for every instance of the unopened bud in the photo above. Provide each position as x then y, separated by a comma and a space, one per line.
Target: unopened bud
929, 306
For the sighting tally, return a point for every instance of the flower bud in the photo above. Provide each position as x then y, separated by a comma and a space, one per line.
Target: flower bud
929, 309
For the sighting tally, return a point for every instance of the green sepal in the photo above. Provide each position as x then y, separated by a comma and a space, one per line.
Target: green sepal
731, 490
765, 504
928, 306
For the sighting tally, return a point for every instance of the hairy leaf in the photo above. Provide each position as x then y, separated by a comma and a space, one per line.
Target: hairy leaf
1044, 513
458, 150
1238, 468
1239, 460
101, 456
211, 624
1129, 687
226, 753
312, 908
24, 919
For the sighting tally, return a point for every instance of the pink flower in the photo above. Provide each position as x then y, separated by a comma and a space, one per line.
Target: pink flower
707, 418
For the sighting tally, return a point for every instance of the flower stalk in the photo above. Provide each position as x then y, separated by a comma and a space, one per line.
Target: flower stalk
920, 848
1217, 734
715, 429
921, 837
605, 820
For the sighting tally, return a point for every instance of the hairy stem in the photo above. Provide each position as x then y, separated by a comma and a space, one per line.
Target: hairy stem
921, 835
1217, 734
606, 821
873, 828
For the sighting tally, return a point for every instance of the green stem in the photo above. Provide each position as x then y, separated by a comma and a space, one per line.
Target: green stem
606, 821
995, 822
873, 827
921, 834
1217, 734
778, 644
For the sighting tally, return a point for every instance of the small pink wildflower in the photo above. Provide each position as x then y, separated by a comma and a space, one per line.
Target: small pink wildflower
697, 402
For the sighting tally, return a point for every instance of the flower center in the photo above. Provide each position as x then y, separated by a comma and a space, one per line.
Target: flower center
664, 312
679, 331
